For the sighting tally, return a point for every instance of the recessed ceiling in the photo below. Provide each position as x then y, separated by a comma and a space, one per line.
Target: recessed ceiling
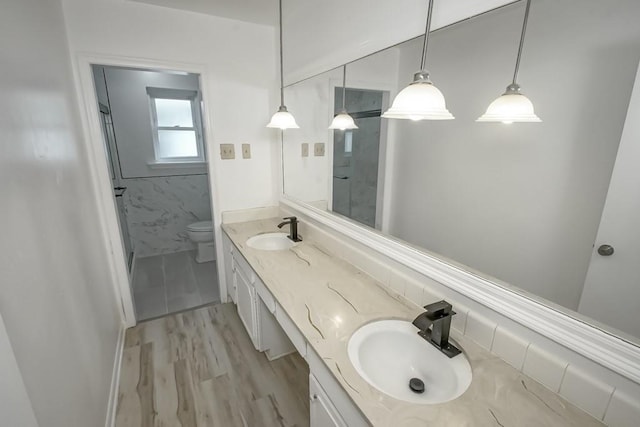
264, 12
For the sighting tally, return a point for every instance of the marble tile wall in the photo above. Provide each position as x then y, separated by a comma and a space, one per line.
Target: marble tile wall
160, 208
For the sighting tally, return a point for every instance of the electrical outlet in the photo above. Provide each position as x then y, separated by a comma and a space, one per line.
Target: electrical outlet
227, 151
246, 151
305, 149
318, 149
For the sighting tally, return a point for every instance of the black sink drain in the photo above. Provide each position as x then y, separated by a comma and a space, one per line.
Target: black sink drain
416, 385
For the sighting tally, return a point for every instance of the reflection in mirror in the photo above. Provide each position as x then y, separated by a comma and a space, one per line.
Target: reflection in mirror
528, 204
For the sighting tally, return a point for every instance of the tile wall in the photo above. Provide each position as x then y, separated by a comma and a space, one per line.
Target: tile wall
160, 208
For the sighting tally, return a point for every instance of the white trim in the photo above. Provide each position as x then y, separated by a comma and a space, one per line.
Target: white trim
156, 128
608, 350
101, 178
178, 165
112, 406
102, 184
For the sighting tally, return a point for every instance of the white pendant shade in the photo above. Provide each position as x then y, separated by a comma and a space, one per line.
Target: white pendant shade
510, 107
343, 121
421, 100
283, 120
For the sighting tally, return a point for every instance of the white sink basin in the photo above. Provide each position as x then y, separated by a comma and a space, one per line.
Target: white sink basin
389, 353
270, 242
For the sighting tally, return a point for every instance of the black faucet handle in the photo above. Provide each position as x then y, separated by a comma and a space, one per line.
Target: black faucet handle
439, 309
291, 218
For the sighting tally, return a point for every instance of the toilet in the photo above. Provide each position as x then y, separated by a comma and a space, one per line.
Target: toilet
201, 233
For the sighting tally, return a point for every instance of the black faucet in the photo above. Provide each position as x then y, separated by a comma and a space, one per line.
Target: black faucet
293, 230
434, 325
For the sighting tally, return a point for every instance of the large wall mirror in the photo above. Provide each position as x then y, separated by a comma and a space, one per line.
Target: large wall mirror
525, 204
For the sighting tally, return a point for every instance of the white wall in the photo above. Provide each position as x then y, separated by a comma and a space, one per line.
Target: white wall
520, 202
129, 103
56, 298
15, 405
241, 75
320, 35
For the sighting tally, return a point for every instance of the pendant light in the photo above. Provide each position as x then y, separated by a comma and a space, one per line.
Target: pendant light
421, 100
282, 119
512, 106
343, 120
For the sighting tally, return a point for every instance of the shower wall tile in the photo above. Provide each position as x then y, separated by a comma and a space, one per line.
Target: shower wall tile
160, 208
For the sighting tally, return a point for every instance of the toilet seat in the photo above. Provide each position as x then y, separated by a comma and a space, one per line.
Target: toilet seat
201, 226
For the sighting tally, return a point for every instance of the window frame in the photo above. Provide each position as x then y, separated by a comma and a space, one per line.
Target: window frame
193, 96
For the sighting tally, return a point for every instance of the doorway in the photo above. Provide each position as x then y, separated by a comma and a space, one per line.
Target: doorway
156, 154
356, 157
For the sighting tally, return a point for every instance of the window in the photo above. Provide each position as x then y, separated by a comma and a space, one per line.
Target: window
177, 129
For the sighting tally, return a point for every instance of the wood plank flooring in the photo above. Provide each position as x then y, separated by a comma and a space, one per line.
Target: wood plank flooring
199, 368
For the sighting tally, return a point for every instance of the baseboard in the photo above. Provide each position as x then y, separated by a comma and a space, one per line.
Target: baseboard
112, 406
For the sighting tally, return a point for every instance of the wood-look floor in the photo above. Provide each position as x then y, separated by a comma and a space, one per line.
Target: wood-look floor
199, 368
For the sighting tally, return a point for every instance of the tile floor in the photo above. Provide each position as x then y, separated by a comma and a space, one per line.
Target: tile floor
171, 283
199, 369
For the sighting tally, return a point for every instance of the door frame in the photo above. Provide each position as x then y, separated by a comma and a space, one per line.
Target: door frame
385, 153
101, 178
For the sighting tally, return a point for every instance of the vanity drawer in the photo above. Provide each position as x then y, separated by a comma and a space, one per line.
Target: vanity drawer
292, 331
265, 295
242, 264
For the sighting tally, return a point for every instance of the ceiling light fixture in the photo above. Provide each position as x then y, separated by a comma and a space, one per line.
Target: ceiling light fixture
343, 120
421, 100
512, 106
282, 119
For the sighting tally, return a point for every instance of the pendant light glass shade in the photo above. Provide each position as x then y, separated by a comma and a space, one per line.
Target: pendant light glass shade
283, 120
421, 100
343, 121
512, 106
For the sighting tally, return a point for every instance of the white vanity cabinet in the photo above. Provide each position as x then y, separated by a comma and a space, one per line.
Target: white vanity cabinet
330, 403
322, 411
256, 307
274, 332
228, 249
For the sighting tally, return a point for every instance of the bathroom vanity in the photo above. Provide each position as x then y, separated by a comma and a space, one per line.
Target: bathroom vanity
306, 299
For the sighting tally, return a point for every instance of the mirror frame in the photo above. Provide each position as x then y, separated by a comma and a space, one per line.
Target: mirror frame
584, 338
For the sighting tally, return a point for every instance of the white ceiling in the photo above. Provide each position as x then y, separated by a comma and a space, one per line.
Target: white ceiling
264, 12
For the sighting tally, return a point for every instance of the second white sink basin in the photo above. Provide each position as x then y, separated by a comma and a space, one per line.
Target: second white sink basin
270, 242
389, 353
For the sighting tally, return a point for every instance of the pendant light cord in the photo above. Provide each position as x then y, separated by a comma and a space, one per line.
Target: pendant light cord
344, 87
524, 29
426, 35
281, 62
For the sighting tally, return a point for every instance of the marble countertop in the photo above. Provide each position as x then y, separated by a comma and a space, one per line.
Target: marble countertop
328, 299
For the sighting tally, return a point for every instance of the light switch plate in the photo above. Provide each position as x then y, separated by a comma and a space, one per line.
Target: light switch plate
318, 149
227, 151
305, 149
246, 151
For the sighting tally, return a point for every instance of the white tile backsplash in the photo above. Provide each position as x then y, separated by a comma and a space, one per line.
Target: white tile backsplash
413, 291
544, 367
623, 411
480, 330
588, 394
509, 347
459, 321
